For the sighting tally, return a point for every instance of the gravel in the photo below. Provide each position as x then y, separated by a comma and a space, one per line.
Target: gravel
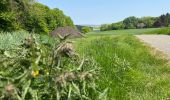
160, 42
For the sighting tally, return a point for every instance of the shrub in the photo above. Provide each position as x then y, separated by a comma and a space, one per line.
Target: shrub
86, 29
117, 26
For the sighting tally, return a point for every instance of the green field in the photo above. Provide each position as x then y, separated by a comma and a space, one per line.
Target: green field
128, 31
128, 67
165, 31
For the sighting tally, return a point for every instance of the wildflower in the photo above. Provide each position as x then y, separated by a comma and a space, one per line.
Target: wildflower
35, 73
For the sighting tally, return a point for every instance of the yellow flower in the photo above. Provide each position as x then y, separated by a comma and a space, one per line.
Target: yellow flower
35, 73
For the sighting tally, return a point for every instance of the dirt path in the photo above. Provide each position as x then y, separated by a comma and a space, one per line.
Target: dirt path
160, 42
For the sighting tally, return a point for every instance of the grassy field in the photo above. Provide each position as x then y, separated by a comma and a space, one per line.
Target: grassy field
165, 31
123, 32
129, 70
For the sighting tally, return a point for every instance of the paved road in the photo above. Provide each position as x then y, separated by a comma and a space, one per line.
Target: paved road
160, 42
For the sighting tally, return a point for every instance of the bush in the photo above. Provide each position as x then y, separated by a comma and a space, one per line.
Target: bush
117, 26
105, 27
86, 29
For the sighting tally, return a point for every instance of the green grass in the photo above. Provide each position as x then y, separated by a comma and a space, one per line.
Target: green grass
165, 31
129, 69
123, 32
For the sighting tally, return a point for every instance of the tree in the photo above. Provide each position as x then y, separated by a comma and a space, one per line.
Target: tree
130, 22
117, 26
31, 16
163, 21
148, 21
103, 27
85, 29
37, 19
69, 22
12, 13
141, 25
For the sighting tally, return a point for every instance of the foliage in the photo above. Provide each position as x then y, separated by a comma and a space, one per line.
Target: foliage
163, 21
9, 41
42, 68
140, 25
134, 23
104, 27
128, 67
31, 16
86, 29
148, 21
82, 28
113, 26
117, 26
130, 22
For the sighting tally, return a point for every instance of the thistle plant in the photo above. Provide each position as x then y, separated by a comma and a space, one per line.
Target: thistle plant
42, 71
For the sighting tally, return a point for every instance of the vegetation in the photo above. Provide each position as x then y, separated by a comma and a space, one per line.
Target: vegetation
107, 65
31, 16
42, 68
86, 29
128, 69
130, 22
163, 21
124, 32
135, 23
165, 31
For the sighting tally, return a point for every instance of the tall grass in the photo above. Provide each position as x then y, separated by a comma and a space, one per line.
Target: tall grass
129, 69
165, 31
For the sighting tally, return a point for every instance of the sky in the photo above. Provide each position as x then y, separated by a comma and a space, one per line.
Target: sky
96, 12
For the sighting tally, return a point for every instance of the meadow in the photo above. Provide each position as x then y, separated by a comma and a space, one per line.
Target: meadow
130, 69
111, 65
163, 31
124, 32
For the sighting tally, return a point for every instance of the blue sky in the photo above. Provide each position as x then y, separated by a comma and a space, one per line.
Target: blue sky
107, 11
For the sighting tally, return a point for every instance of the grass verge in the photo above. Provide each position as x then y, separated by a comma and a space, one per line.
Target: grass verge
129, 69
165, 31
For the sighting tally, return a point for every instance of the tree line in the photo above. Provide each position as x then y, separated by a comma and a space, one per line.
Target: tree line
84, 29
133, 22
31, 16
